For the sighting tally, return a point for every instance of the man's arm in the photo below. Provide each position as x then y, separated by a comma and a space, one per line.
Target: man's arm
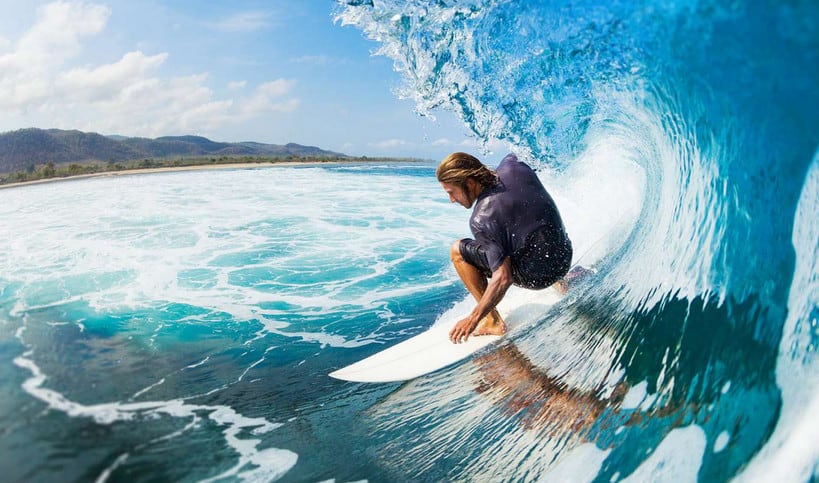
498, 285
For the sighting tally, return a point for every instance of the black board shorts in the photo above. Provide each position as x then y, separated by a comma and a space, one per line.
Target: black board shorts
543, 260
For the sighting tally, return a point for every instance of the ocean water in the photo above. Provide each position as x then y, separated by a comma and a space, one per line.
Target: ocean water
180, 326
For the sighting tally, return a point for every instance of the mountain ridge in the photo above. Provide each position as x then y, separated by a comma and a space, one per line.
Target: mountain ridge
25, 149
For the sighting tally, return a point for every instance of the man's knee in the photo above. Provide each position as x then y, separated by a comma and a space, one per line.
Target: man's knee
455, 252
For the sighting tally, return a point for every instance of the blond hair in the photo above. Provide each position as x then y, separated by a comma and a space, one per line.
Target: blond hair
459, 167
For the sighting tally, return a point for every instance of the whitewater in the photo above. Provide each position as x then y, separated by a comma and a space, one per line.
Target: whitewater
180, 326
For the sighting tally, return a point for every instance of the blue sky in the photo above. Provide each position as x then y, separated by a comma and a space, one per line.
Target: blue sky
273, 71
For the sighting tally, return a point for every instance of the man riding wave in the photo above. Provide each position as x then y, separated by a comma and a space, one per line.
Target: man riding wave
519, 236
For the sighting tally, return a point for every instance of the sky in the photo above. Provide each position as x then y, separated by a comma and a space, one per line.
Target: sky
271, 71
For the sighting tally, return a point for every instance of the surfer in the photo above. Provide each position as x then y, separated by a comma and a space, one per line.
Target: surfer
519, 236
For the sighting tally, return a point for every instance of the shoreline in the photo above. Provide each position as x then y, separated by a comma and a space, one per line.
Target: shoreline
198, 167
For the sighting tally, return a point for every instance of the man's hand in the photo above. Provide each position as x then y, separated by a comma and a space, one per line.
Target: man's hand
495, 290
462, 330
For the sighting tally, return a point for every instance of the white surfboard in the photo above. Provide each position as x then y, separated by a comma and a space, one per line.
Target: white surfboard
432, 350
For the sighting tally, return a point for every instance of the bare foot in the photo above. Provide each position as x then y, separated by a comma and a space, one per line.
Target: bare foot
574, 276
492, 324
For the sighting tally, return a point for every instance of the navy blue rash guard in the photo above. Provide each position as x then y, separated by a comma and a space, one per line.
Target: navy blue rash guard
518, 219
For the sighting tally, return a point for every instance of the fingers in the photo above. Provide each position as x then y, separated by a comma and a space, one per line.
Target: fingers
454, 335
457, 336
460, 333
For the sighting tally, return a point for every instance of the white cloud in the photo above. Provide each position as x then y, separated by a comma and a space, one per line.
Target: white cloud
236, 85
27, 69
128, 96
267, 98
389, 143
244, 22
442, 142
155, 107
106, 82
59, 26
276, 88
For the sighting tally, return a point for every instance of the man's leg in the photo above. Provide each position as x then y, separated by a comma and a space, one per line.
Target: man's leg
476, 283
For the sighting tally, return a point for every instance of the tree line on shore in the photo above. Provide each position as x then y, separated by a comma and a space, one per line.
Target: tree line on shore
51, 170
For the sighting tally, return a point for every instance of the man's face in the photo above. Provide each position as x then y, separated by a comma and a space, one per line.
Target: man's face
458, 194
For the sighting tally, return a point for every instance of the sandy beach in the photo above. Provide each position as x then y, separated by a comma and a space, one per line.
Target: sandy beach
198, 167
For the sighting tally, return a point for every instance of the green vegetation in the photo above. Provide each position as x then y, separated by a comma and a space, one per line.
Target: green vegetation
24, 149
50, 170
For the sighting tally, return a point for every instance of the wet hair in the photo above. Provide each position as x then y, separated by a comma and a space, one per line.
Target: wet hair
459, 167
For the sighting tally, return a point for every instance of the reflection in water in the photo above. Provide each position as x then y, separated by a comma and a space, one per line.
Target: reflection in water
537, 400
542, 402
626, 390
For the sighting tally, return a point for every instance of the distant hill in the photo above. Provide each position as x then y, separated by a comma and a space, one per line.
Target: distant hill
26, 148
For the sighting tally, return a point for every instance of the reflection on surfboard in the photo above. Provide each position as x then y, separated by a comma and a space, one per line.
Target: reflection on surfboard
432, 350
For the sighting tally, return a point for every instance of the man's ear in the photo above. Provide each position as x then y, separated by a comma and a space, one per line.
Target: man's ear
474, 186
470, 185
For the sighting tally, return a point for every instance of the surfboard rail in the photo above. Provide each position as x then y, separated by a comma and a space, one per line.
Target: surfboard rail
432, 350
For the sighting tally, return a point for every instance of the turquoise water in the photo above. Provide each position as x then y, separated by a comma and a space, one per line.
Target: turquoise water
707, 315
180, 326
